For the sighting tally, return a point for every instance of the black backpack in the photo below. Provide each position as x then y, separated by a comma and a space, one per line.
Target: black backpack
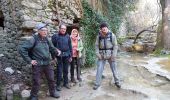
100, 38
30, 54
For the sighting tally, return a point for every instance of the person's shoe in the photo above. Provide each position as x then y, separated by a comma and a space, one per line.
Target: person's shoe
58, 88
55, 95
67, 86
103, 77
79, 79
33, 98
96, 87
73, 80
118, 84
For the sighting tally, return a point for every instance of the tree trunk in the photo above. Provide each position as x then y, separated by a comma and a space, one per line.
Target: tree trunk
160, 28
166, 24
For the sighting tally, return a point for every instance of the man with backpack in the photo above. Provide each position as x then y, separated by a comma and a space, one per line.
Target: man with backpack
106, 50
36, 51
62, 41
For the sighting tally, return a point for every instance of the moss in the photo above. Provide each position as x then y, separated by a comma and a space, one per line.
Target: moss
90, 23
120, 40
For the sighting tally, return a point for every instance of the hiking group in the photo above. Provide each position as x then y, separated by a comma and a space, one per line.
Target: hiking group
65, 50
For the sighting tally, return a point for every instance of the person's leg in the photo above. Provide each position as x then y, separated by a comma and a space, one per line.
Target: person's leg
65, 72
115, 72
49, 73
59, 73
36, 77
78, 69
100, 68
72, 69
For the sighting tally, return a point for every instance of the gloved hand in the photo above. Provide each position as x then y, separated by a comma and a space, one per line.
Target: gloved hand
113, 58
99, 56
58, 52
34, 62
70, 59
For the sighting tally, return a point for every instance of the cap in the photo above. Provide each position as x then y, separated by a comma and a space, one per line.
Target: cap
103, 25
40, 26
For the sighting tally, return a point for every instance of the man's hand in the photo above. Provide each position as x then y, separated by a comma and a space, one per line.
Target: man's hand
59, 52
99, 56
70, 59
34, 62
113, 58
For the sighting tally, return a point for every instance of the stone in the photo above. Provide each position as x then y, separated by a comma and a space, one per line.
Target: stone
9, 94
16, 88
26, 18
1, 55
25, 94
31, 5
9, 69
19, 72
138, 47
28, 24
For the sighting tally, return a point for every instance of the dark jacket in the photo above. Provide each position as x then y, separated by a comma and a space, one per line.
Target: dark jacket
41, 51
63, 43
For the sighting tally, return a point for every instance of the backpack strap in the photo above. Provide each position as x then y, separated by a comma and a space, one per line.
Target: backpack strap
111, 40
35, 42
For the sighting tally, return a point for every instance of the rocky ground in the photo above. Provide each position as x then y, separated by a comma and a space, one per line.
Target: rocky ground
143, 77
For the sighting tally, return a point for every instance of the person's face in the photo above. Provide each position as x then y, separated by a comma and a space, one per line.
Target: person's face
74, 34
55, 22
43, 32
104, 30
62, 29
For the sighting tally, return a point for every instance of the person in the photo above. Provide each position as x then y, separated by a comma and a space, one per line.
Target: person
77, 47
106, 50
40, 57
62, 41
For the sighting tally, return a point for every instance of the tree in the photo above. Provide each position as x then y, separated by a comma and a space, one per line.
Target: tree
165, 30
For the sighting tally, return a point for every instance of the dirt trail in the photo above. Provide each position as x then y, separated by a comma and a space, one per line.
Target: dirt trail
138, 83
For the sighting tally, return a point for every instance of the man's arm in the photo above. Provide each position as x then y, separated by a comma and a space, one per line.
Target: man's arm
115, 48
70, 45
80, 48
24, 49
97, 48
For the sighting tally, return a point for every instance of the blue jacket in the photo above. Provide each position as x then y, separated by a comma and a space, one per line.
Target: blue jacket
63, 43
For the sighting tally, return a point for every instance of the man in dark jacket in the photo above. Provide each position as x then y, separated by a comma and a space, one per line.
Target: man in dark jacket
62, 41
40, 57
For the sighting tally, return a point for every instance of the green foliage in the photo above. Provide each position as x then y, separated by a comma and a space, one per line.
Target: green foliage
157, 52
90, 24
120, 40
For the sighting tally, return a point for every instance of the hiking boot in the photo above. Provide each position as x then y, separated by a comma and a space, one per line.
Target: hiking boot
33, 98
103, 77
118, 85
55, 95
67, 86
79, 79
58, 88
73, 80
96, 87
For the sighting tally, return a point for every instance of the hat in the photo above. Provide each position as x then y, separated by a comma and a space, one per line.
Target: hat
103, 25
40, 26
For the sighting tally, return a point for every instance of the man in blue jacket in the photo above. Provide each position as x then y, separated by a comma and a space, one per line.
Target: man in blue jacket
62, 41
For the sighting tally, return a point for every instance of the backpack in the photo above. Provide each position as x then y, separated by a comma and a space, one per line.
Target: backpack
30, 54
111, 40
